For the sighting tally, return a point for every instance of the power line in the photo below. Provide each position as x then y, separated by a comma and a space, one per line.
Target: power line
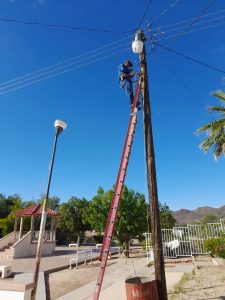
164, 11
194, 21
184, 84
62, 26
185, 21
190, 31
62, 72
191, 59
64, 61
61, 67
202, 22
144, 14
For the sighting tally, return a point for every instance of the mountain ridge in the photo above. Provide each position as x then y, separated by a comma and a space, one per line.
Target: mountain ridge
189, 216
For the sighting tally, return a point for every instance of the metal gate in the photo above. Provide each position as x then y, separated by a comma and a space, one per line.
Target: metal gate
186, 241
176, 242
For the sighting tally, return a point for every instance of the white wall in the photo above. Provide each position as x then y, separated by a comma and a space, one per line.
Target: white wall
19, 293
24, 247
11, 295
9, 238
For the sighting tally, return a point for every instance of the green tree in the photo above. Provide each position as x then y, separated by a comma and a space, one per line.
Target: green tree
70, 218
131, 218
8, 222
215, 130
5, 205
53, 202
167, 220
209, 218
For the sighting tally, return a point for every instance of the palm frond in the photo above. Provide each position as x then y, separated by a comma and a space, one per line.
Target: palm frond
215, 130
219, 94
219, 109
205, 127
207, 144
212, 126
218, 151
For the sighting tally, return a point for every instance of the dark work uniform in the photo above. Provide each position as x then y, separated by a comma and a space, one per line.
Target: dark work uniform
125, 74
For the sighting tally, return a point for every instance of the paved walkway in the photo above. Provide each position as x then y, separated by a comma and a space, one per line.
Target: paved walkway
52, 263
114, 286
24, 267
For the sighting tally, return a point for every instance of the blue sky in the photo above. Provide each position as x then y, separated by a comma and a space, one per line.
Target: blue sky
89, 99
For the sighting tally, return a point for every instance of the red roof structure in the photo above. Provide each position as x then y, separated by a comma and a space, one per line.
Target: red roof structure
34, 210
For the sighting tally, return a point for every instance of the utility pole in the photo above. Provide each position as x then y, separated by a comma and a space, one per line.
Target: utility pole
152, 181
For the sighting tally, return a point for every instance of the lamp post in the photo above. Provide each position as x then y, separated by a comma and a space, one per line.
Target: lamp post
59, 127
138, 46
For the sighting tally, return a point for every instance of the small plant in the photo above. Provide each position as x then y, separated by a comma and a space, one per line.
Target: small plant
216, 246
143, 245
180, 286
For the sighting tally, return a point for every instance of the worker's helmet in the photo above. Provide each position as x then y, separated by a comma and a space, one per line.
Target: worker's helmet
128, 62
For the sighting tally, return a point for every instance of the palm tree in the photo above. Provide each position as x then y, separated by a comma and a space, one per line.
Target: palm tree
215, 130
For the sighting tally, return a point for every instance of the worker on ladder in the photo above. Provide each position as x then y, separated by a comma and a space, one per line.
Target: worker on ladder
125, 74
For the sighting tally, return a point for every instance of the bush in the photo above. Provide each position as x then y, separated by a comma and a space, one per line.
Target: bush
216, 246
98, 238
143, 245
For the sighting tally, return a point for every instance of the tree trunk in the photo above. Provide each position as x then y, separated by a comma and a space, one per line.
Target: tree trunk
78, 240
126, 249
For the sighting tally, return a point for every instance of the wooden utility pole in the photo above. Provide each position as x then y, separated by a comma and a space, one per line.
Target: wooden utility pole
152, 181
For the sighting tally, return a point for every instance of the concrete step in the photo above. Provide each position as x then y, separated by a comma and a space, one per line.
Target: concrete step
8, 251
5, 257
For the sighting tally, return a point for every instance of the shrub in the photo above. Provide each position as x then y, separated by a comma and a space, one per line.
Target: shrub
98, 238
216, 246
143, 245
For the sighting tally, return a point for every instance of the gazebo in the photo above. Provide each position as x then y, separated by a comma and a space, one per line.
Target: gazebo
24, 244
33, 212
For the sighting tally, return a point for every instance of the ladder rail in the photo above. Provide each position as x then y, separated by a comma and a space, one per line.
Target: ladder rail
136, 98
117, 191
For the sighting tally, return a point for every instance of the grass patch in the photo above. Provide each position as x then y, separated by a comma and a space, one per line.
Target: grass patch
179, 287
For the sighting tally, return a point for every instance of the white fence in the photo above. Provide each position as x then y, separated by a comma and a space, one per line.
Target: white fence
186, 241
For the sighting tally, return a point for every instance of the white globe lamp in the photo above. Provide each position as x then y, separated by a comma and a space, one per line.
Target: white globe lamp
137, 45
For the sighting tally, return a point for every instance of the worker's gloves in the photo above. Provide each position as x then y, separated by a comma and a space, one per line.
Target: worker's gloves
128, 76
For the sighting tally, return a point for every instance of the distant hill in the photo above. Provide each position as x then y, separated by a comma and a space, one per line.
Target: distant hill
189, 216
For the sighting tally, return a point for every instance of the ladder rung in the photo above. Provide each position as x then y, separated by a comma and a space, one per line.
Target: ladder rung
117, 192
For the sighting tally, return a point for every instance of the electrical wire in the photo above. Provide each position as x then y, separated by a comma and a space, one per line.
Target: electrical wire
190, 31
184, 84
191, 59
185, 21
64, 61
164, 11
62, 72
61, 67
63, 26
210, 2
145, 13
181, 27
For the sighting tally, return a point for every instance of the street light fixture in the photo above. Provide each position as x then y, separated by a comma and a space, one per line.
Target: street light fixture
59, 127
137, 45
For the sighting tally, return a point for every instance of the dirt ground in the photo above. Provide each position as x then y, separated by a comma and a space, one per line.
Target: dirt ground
62, 282
65, 281
206, 282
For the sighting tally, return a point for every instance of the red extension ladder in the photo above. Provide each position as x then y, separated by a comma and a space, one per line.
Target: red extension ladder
117, 191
